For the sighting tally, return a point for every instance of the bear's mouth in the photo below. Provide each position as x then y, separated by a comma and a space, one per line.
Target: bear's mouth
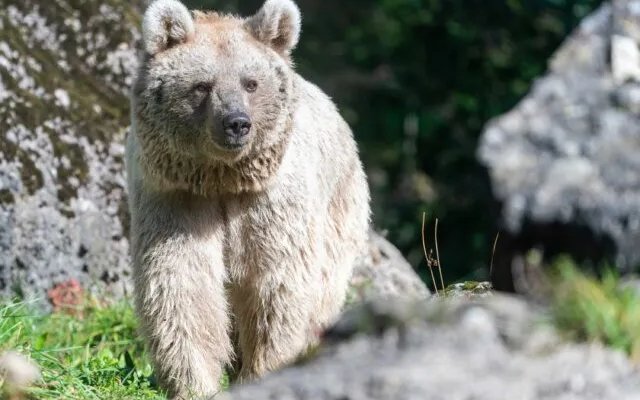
233, 149
233, 146
231, 143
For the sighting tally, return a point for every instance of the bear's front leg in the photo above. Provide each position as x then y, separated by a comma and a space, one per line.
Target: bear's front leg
277, 283
179, 279
275, 323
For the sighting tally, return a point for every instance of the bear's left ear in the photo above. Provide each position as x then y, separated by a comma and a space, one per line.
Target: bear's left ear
277, 25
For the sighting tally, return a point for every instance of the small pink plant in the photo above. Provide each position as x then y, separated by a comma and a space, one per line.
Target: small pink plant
67, 296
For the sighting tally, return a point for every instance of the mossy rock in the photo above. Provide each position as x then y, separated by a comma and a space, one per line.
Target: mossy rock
65, 69
469, 289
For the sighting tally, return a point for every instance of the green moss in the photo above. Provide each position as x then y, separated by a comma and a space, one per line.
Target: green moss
6, 197
29, 174
77, 168
470, 285
468, 288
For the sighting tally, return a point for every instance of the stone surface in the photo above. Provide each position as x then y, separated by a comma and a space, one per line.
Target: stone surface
489, 349
65, 71
565, 162
385, 273
65, 68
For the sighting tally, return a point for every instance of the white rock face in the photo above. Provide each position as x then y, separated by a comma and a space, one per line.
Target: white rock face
625, 59
63, 111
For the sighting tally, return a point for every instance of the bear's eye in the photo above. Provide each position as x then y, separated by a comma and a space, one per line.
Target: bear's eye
251, 85
203, 87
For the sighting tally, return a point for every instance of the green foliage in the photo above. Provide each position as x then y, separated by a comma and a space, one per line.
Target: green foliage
417, 80
597, 309
95, 354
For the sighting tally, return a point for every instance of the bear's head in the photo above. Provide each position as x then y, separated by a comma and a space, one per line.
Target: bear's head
214, 96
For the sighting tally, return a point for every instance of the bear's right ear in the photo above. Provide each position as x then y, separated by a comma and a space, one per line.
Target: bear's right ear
166, 23
277, 24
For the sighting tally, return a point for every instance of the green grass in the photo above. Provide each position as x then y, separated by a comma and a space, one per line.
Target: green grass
596, 309
95, 354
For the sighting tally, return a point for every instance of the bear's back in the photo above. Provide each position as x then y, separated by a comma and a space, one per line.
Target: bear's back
321, 140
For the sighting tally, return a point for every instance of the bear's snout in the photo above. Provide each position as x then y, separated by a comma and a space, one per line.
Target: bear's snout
236, 124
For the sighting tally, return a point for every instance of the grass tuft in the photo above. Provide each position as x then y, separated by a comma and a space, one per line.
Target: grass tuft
591, 309
92, 354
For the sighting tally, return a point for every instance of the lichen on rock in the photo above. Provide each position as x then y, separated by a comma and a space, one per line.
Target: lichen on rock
65, 68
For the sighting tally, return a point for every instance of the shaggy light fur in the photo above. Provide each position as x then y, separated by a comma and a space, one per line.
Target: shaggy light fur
166, 23
250, 246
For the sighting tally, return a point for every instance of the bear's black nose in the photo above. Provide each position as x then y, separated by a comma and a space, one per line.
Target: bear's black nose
236, 123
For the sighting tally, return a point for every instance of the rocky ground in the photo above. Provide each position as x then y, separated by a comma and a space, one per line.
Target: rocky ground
491, 348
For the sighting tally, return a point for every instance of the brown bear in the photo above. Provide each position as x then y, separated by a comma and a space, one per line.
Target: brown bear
249, 202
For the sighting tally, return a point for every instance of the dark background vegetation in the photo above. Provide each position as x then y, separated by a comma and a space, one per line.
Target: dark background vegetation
417, 80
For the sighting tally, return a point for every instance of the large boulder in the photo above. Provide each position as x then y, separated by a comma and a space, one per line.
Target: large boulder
565, 162
65, 69
489, 349
385, 273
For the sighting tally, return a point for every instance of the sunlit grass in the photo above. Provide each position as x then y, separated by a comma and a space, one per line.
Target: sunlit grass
93, 354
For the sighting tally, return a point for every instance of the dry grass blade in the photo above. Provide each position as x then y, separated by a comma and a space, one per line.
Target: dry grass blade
493, 252
438, 254
426, 255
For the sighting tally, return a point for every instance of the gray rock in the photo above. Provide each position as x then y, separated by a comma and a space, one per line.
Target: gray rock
566, 160
385, 273
489, 349
65, 68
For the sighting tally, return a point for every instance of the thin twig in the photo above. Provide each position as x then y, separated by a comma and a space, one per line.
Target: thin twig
426, 255
435, 235
493, 252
